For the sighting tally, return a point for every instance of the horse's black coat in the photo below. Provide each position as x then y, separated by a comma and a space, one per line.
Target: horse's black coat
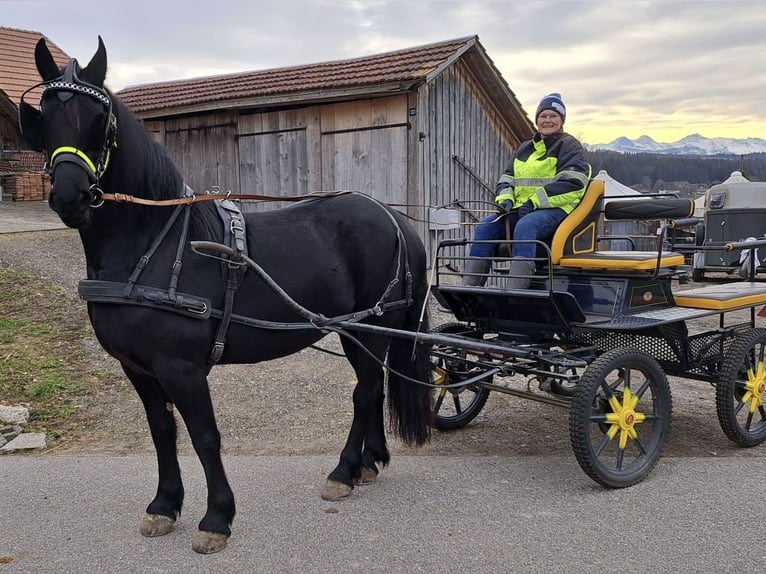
333, 256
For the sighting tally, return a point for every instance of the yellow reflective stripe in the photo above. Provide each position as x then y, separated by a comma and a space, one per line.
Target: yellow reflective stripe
542, 199
533, 182
74, 151
575, 175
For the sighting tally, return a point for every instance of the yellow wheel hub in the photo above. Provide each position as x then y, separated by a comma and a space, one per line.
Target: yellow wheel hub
439, 378
624, 418
755, 388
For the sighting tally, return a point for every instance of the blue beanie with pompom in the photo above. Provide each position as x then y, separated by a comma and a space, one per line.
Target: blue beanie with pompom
552, 102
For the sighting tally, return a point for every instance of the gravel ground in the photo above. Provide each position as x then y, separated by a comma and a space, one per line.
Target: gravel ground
302, 404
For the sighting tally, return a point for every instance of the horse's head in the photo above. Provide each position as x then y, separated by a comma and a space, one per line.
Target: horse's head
76, 129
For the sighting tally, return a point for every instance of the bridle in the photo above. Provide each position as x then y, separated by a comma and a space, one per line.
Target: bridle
64, 87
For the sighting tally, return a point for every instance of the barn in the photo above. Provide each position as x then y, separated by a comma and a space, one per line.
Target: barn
424, 126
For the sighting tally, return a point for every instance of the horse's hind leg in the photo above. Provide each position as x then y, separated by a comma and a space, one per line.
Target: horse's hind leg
366, 444
187, 385
163, 511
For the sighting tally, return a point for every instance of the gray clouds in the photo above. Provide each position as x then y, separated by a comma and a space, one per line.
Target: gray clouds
664, 68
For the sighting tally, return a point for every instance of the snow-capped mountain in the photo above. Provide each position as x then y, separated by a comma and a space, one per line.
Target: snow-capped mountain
690, 145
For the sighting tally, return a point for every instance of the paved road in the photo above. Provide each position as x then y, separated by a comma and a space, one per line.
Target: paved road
18, 216
426, 514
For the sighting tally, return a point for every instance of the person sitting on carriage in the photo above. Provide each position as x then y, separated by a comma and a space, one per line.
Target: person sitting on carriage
544, 181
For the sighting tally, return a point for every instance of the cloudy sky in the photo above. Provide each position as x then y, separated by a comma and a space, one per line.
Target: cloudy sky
666, 69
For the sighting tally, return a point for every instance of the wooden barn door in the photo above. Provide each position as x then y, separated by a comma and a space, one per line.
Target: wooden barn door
364, 147
273, 154
205, 150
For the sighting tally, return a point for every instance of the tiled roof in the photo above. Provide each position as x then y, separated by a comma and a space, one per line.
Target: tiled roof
17, 62
403, 66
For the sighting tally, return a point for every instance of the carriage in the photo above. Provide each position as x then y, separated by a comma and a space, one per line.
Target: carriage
597, 332
734, 211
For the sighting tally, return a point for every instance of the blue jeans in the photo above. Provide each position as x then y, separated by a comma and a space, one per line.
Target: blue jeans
539, 224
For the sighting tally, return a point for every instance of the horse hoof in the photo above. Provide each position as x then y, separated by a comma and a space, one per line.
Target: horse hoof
209, 542
334, 490
368, 476
156, 525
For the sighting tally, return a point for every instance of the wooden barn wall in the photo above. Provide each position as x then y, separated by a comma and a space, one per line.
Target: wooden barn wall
364, 147
9, 134
361, 145
466, 145
204, 148
277, 155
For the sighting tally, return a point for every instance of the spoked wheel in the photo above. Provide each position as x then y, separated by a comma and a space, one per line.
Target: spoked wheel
456, 406
740, 397
620, 417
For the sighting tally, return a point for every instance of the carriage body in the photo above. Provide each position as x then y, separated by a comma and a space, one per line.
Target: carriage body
598, 333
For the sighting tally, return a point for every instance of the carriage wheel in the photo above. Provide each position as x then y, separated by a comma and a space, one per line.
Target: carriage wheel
456, 406
620, 417
740, 397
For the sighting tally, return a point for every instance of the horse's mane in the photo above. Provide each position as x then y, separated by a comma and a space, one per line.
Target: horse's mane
144, 168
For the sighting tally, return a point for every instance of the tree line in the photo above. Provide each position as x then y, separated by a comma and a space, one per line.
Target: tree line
650, 172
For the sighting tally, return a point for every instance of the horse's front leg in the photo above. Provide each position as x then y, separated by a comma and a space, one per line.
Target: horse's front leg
163, 511
187, 385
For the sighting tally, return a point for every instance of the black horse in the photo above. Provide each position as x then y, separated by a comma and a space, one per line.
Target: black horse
167, 313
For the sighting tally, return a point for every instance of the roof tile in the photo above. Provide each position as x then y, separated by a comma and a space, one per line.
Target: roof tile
17, 62
411, 64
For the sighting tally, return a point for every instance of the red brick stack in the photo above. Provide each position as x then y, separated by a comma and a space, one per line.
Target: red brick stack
22, 176
27, 186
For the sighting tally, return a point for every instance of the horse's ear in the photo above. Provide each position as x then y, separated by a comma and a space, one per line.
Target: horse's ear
95, 72
46, 65
30, 125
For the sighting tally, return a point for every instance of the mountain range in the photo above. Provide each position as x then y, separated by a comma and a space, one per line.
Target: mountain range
690, 145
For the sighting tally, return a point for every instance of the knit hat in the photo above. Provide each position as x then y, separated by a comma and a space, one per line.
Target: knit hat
552, 102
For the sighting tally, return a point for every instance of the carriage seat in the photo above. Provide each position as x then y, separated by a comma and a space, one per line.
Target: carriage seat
574, 243
722, 297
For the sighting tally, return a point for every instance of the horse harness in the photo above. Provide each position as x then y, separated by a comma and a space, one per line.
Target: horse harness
234, 264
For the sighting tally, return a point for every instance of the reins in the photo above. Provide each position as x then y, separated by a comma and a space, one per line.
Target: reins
213, 196
100, 197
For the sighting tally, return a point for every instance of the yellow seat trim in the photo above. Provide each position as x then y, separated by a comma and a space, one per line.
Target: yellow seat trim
622, 260
590, 201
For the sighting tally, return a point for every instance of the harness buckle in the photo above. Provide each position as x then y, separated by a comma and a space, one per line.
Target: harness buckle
216, 352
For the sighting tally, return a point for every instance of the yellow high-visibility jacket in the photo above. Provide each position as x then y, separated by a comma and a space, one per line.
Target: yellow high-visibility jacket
549, 172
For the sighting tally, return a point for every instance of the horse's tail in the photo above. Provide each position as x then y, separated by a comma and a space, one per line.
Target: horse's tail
410, 405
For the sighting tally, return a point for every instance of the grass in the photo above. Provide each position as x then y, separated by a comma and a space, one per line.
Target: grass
42, 365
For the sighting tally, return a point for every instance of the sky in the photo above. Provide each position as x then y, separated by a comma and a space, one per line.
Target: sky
662, 68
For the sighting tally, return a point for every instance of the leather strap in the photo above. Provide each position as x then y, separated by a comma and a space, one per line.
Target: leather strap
125, 198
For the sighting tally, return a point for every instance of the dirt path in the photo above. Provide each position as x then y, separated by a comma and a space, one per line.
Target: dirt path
302, 404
